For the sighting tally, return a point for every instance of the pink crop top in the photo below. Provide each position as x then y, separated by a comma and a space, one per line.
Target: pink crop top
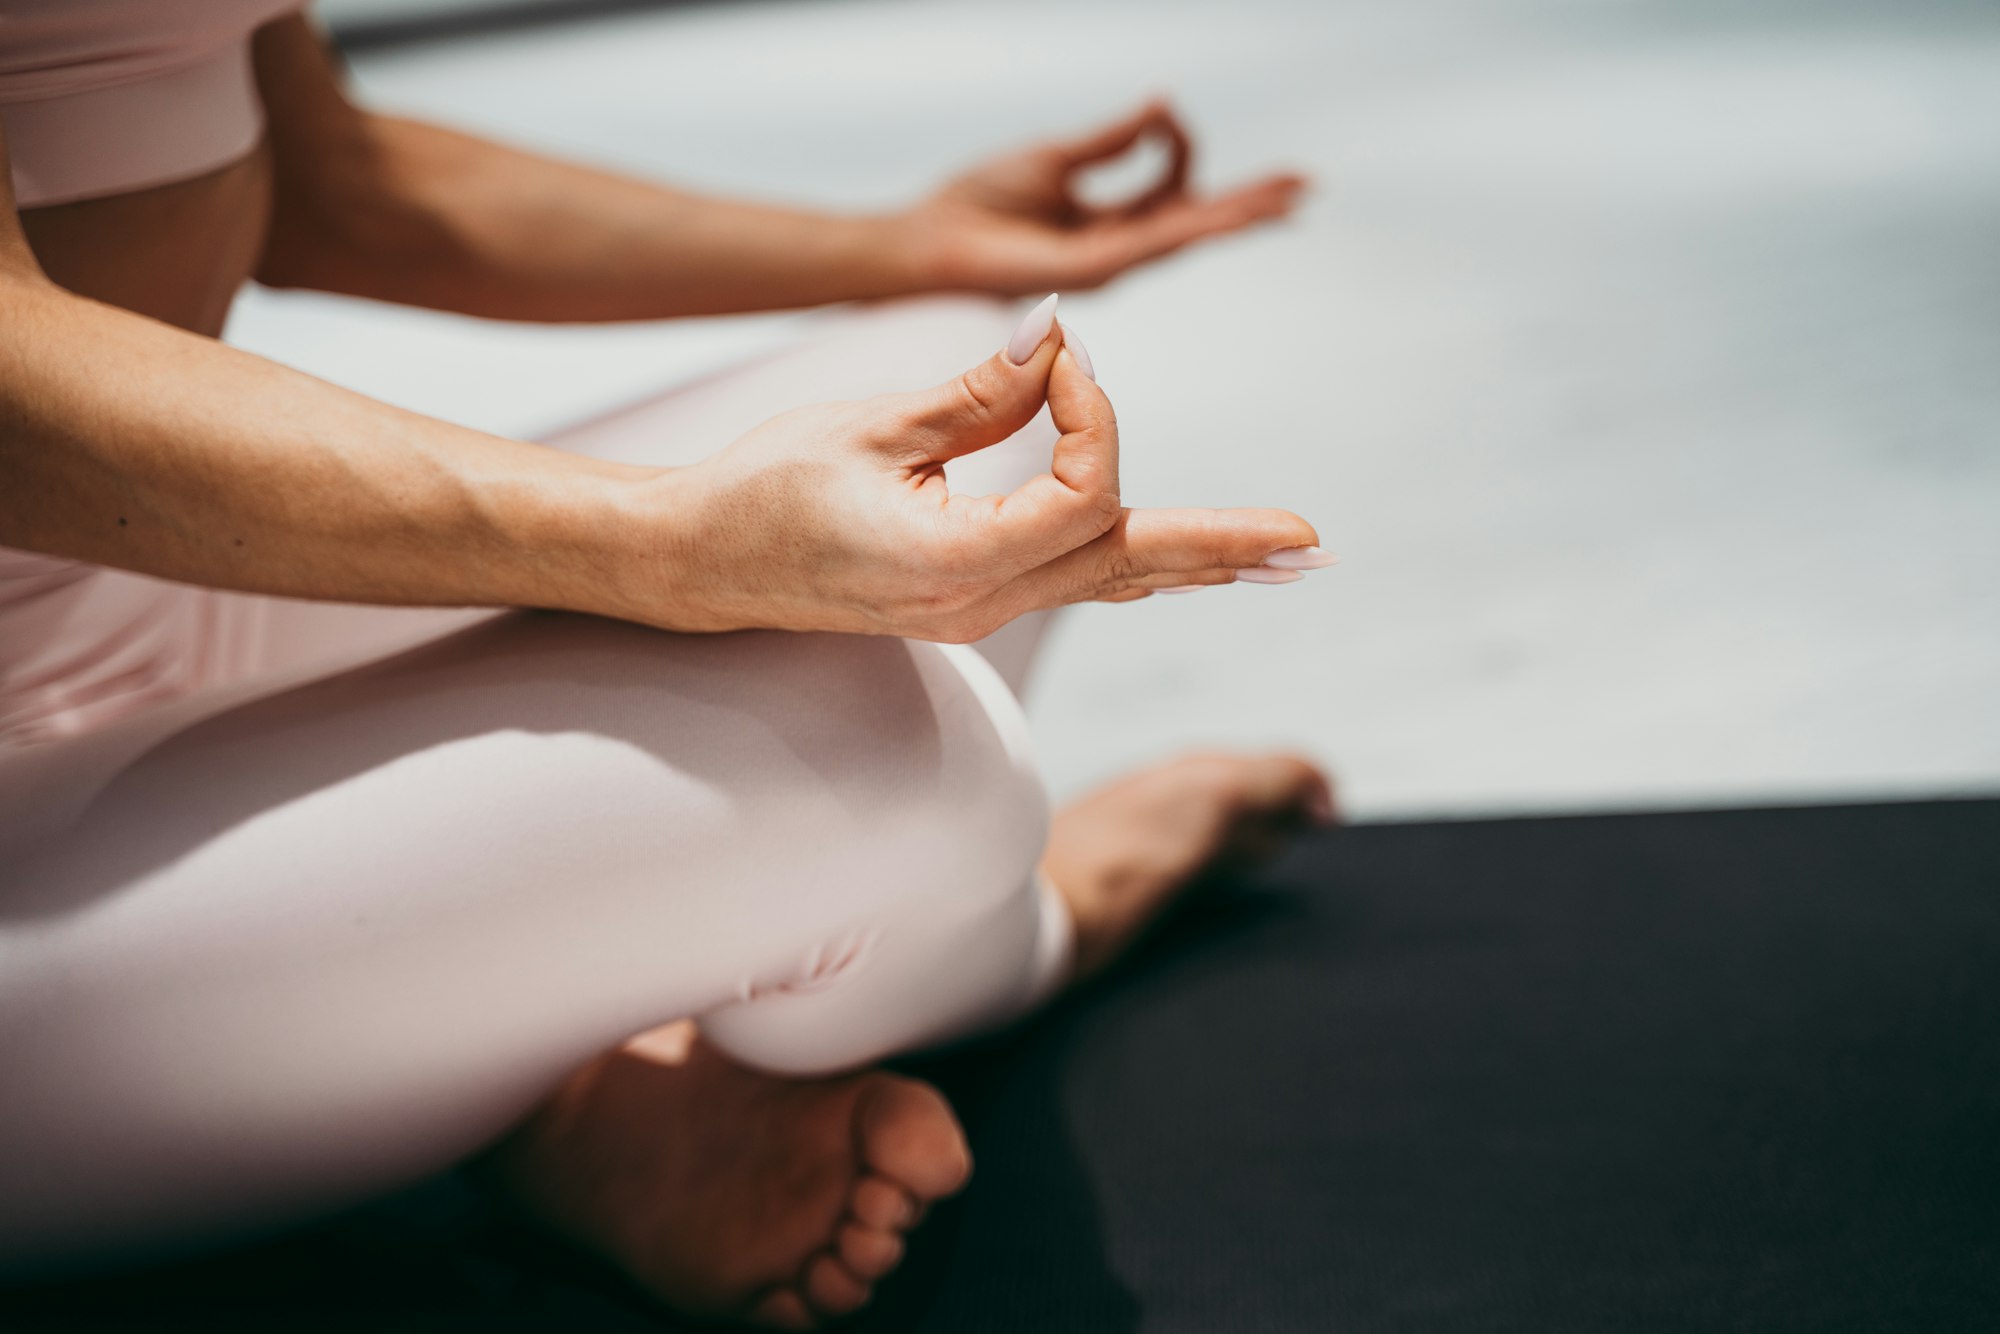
98, 97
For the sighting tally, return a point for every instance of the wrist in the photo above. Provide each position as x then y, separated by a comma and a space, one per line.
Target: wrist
632, 552
934, 254
549, 532
898, 253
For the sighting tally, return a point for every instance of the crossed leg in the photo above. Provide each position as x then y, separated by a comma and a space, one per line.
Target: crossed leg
343, 916
344, 920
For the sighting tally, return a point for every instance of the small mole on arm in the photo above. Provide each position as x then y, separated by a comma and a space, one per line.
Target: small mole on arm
121, 521
239, 541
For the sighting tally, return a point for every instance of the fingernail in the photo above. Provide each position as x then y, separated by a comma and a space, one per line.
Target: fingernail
1075, 346
1032, 331
1182, 588
1263, 575
1301, 558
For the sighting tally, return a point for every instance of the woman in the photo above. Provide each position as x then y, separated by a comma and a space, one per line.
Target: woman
324, 871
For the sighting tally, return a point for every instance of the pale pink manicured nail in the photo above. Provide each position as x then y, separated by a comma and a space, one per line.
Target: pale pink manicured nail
1301, 558
1075, 346
1029, 335
1182, 588
1262, 575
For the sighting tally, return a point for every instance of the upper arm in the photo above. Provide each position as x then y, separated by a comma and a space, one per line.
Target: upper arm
322, 159
299, 82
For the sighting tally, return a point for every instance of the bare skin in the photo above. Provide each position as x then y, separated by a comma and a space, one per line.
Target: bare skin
1121, 853
729, 1193
721, 1190
135, 251
306, 490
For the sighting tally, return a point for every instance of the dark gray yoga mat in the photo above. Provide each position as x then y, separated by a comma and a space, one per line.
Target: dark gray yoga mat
1734, 1070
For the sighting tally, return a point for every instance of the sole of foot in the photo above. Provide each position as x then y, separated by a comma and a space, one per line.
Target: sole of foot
731, 1194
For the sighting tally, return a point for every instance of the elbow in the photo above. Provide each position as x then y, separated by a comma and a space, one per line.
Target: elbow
24, 288
341, 220
302, 250
311, 233
318, 238
20, 269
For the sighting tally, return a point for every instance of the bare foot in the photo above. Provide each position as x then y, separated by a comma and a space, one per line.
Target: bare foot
733, 1194
1122, 853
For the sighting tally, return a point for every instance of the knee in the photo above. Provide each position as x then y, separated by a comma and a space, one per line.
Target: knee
938, 896
996, 812
926, 753
957, 801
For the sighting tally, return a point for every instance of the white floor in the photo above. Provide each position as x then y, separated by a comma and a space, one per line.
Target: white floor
1641, 360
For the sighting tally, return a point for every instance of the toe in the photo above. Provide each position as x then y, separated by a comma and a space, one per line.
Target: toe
881, 1203
832, 1290
1310, 788
1277, 781
1273, 794
868, 1251
782, 1309
907, 1133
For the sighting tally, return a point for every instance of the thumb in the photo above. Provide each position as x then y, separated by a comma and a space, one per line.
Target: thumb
986, 404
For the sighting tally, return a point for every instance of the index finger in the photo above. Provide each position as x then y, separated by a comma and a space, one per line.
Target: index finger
1111, 140
1076, 500
1173, 181
1119, 136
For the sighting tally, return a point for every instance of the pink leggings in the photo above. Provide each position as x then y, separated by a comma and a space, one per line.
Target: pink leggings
338, 910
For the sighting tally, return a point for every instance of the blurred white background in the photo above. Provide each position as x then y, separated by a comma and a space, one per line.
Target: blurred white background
1641, 360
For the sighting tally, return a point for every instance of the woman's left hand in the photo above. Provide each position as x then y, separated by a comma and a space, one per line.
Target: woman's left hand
1016, 225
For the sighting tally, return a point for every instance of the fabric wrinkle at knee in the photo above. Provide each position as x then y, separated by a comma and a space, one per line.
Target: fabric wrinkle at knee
827, 963
939, 969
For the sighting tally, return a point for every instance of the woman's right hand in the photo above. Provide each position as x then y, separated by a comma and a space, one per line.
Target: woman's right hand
837, 517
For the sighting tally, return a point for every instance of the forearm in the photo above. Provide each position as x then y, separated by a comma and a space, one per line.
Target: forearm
126, 442
401, 211
426, 216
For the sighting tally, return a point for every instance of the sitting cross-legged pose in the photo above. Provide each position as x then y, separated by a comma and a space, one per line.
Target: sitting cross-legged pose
378, 795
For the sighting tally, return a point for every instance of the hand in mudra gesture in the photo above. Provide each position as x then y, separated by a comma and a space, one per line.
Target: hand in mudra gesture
1017, 223
837, 516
